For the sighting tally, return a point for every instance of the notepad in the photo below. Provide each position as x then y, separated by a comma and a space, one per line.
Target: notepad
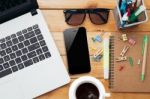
129, 78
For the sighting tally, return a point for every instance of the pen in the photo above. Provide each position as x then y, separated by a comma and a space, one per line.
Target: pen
144, 57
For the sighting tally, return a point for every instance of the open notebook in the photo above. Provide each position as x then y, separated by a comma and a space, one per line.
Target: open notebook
129, 78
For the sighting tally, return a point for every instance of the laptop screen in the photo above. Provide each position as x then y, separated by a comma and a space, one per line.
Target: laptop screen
8, 4
10, 9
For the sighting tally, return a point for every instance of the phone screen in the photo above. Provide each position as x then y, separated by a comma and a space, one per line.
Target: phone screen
77, 50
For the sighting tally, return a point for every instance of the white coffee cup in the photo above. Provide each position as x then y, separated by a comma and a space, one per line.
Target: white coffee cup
87, 79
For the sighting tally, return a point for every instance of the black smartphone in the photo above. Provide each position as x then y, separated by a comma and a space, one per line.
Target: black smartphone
77, 50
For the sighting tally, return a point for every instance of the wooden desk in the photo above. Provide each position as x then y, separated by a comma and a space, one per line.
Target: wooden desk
53, 13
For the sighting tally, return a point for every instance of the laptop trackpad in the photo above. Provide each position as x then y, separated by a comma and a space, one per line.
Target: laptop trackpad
10, 90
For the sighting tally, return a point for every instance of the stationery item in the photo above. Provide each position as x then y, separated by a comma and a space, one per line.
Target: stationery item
119, 59
128, 80
132, 41
130, 61
123, 7
98, 52
87, 87
123, 52
76, 16
138, 3
135, 15
144, 58
106, 57
124, 37
139, 62
121, 68
77, 50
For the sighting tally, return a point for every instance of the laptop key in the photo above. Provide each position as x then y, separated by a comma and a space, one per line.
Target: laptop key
2, 53
8, 38
31, 54
19, 33
40, 37
29, 28
35, 26
26, 43
1, 68
8, 50
24, 50
3, 46
29, 35
13, 35
1, 60
6, 58
47, 55
12, 63
19, 53
21, 66
5, 72
28, 63
24, 57
9, 43
45, 49
35, 60
21, 38
13, 55
37, 31
18, 60
2, 40
14, 69
33, 40
34, 46
15, 41
42, 43
41, 57
20, 45
39, 51
6, 65
14, 48
24, 31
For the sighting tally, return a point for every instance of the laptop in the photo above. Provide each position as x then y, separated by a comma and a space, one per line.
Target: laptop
30, 63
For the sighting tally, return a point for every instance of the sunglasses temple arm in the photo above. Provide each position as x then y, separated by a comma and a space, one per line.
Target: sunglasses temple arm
101, 17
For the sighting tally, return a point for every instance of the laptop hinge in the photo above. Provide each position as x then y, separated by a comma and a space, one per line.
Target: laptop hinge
34, 12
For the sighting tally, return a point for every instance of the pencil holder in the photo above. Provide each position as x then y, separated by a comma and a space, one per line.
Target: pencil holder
129, 13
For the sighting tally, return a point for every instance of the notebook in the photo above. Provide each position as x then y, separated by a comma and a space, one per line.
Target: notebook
129, 78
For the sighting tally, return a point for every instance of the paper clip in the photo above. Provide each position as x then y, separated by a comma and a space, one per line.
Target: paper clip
99, 52
119, 59
125, 49
124, 37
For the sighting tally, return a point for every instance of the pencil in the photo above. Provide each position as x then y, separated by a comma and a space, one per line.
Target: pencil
144, 58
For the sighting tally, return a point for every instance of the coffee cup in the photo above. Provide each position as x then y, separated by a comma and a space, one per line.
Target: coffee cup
87, 87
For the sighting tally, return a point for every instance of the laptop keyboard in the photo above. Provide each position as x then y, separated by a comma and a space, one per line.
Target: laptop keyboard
21, 50
8, 4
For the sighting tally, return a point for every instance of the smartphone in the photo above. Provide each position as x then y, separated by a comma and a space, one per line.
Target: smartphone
77, 50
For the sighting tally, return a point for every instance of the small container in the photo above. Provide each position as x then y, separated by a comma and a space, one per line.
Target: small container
142, 18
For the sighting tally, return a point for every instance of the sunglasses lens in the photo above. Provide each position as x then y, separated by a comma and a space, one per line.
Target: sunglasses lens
74, 19
99, 17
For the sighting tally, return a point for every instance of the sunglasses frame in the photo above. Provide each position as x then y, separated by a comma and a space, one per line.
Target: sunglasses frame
87, 11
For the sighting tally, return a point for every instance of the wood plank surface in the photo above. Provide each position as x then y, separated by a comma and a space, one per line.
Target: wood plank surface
53, 14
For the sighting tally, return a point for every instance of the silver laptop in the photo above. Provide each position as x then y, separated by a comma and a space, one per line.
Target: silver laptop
30, 64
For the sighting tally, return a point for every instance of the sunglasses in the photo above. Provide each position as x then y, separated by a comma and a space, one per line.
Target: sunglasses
76, 17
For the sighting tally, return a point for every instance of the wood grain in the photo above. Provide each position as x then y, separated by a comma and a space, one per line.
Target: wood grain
53, 14
67, 4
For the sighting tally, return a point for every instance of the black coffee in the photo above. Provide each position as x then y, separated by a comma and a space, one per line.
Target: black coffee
87, 91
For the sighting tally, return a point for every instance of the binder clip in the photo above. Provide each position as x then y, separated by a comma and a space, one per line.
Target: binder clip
125, 49
132, 41
119, 59
124, 37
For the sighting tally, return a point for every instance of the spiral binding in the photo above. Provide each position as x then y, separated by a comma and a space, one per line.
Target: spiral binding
111, 58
